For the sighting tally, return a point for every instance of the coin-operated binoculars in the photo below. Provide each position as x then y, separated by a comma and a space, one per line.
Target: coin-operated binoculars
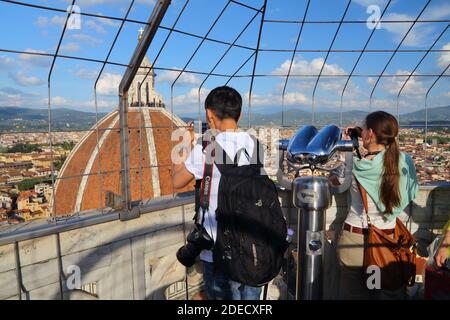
315, 150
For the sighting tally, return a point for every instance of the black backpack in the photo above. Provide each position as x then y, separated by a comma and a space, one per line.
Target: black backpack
251, 228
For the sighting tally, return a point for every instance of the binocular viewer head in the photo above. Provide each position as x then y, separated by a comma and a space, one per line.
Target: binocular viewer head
312, 147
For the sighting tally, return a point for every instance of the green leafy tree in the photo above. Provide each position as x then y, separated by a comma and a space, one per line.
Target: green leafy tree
24, 148
28, 184
59, 163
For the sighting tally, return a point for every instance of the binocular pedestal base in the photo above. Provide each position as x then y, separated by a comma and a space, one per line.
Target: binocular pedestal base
311, 195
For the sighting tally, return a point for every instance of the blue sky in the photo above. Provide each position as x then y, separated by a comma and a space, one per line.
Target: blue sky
23, 78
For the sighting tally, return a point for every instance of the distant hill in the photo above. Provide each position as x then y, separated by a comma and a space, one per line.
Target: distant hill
440, 115
293, 117
26, 119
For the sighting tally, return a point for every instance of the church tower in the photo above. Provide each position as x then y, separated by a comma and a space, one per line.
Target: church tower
148, 96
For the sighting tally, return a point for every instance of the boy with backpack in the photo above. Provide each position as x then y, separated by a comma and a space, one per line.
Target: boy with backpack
239, 211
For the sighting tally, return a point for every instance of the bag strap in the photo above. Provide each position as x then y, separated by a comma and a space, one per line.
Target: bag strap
363, 193
258, 152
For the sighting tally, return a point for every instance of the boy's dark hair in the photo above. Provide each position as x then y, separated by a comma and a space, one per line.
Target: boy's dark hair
225, 102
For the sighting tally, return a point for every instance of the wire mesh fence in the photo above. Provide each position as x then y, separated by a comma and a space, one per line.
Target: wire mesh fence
296, 59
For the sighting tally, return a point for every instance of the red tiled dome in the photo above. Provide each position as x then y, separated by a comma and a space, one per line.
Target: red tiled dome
80, 187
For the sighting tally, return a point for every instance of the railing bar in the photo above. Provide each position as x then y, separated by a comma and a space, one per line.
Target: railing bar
326, 59
227, 75
96, 103
255, 62
154, 62
426, 114
100, 16
244, 5
292, 61
224, 55
351, 21
200, 44
359, 58
239, 69
353, 50
395, 52
50, 108
415, 68
182, 71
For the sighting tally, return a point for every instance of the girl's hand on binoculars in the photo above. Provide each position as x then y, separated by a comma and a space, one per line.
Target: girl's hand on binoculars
345, 134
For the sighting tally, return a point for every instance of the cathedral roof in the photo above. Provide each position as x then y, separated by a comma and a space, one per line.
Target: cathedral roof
80, 187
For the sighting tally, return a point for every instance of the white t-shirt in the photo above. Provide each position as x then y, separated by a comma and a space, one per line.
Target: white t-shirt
357, 216
230, 142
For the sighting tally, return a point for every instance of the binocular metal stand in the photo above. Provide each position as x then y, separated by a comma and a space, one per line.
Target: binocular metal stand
312, 149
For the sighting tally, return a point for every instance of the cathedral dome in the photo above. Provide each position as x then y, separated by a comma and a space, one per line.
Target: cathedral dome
93, 168
80, 187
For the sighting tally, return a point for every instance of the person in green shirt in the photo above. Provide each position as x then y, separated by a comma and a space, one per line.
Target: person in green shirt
443, 252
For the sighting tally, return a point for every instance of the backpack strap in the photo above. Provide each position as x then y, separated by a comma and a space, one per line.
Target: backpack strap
226, 161
258, 152
238, 155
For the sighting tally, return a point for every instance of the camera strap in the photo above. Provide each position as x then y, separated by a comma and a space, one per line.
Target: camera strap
205, 189
212, 149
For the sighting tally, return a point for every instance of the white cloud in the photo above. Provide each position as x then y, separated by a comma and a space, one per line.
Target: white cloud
109, 84
444, 58
437, 12
58, 20
35, 60
191, 97
84, 38
86, 74
59, 101
366, 3
17, 98
11, 97
292, 98
92, 24
70, 47
22, 79
108, 22
413, 87
41, 21
418, 36
306, 84
272, 99
304, 67
185, 78
6, 63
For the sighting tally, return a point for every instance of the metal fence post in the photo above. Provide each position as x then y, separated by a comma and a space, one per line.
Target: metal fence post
130, 211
